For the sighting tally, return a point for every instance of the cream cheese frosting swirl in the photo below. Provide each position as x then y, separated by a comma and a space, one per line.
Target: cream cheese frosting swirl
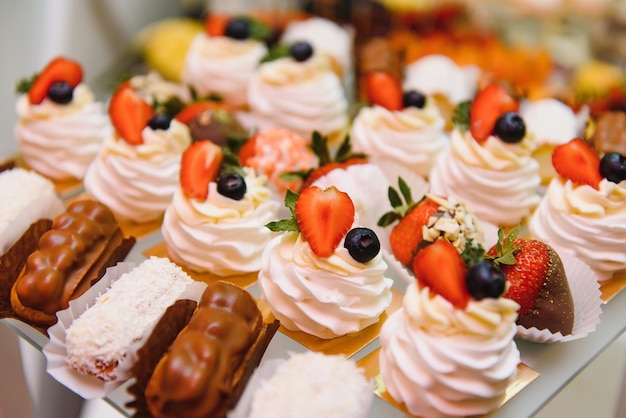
221, 235
300, 96
499, 181
412, 137
584, 221
324, 297
222, 65
61, 140
137, 182
441, 361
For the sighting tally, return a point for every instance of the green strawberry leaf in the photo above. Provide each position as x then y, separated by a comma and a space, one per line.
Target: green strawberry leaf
461, 116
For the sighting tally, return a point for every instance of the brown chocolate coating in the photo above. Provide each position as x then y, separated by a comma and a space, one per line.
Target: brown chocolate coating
51, 273
196, 377
376, 55
554, 306
610, 133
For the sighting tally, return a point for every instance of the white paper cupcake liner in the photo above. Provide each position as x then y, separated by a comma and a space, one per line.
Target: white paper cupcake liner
587, 304
55, 351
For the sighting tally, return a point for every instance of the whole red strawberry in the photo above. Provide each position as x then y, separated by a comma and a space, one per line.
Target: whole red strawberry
406, 236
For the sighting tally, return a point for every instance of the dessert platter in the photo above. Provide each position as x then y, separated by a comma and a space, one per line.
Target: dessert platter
348, 220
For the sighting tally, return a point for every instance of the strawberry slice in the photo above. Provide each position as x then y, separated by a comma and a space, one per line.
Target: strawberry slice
189, 113
440, 267
324, 217
577, 161
129, 114
200, 165
215, 24
383, 89
247, 151
59, 69
488, 105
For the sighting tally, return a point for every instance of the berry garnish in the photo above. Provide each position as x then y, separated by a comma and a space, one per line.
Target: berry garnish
159, 121
577, 161
59, 69
215, 24
413, 99
362, 244
61, 92
232, 185
405, 237
129, 114
440, 267
324, 217
301, 51
613, 167
238, 29
485, 280
383, 89
199, 165
192, 111
510, 128
488, 105
343, 158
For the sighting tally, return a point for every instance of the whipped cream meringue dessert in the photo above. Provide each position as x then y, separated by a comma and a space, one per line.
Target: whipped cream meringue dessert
61, 125
490, 167
449, 350
218, 227
300, 93
586, 218
223, 63
324, 277
136, 172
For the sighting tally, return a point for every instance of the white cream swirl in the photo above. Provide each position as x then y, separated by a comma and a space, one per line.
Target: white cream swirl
153, 88
300, 96
221, 235
60, 140
137, 182
441, 361
222, 65
324, 297
498, 181
438, 74
584, 221
412, 137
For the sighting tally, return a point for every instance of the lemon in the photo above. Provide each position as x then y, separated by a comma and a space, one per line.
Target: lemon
165, 43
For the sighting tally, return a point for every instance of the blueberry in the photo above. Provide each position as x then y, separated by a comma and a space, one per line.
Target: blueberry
232, 185
413, 99
159, 121
301, 51
238, 29
362, 244
510, 128
613, 167
485, 280
61, 92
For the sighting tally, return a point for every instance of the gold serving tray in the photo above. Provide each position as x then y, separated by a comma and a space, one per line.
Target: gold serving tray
525, 376
347, 345
241, 280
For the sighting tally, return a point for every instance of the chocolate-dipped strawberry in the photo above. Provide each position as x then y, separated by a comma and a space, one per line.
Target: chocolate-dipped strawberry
538, 282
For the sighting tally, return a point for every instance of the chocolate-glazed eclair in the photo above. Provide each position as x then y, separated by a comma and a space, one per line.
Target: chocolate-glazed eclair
84, 241
206, 367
